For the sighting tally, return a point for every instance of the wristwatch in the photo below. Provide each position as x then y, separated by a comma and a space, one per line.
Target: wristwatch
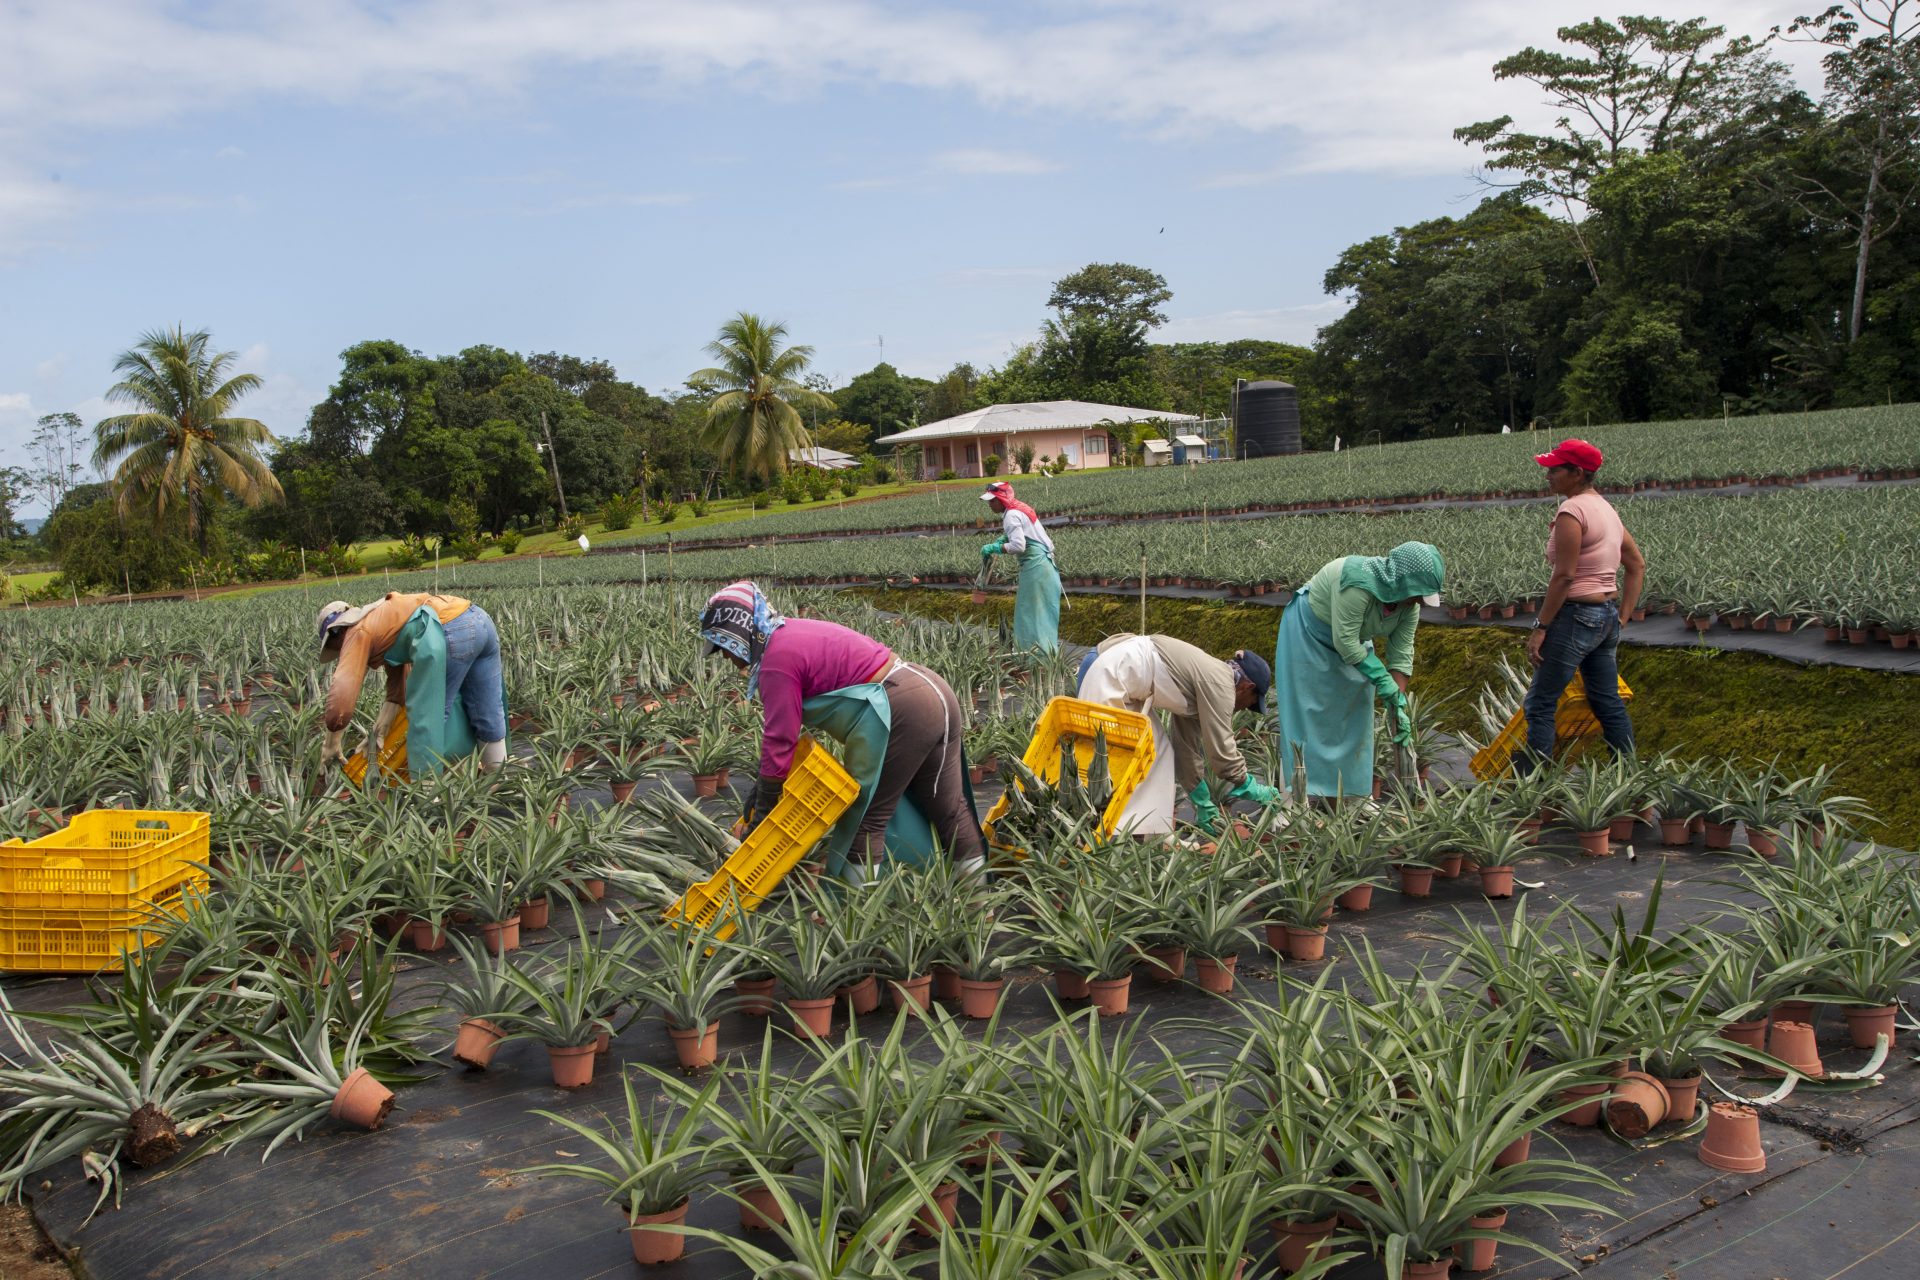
1538, 624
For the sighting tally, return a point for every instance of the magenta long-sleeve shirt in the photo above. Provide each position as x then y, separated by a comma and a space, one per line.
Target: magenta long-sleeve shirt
804, 658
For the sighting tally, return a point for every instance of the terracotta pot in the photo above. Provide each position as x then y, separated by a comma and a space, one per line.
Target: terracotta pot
1792, 1043
1587, 1114
756, 996
622, 791
1216, 975
1719, 835
1530, 830
979, 596
1307, 943
980, 999
812, 1017
1496, 882
1675, 833
572, 1065
1302, 1243
1733, 1139
1752, 1034
912, 993
864, 995
1479, 1255
760, 1209
1638, 1104
1358, 898
1166, 964
362, 1101
1515, 1152
942, 1213
1795, 1011
501, 936
946, 983
1277, 938
1110, 995
1366, 1191
650, 1247
705, 785
1856, 635
1865, 1025
1683, 1098
698, 1049
1621, 831
1762, 843
1416, 882
594, 889
536, 914
426, 936
1070, 985
476, 1042
1430, 1269
1595, 844
1449, 868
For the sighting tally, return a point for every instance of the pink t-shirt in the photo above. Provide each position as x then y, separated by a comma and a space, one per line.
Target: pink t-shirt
1601, 533
805, 657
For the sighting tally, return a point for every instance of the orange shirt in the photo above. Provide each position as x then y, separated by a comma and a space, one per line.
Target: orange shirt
368, 639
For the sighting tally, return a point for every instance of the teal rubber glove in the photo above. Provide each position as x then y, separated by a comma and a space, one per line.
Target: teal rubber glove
994, 548
1251, 788
1399, 718
1382, 679
1206, 814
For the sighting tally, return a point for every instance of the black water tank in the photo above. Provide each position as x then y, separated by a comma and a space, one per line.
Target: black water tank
1266, 419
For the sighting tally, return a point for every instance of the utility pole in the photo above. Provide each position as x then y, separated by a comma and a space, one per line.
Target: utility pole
552, 461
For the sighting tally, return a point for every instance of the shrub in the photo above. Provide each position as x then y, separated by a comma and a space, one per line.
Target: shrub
949, 474
274, 562
762, 500
463, 548
667, 510
849, 484
509, 542
1023, 455
618, 511
572, 527
335, 560
882, 473
819, 485
410, 554
699, 506
991, 464
792, 492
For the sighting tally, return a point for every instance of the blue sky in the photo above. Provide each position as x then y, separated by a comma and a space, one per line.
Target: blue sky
614, 178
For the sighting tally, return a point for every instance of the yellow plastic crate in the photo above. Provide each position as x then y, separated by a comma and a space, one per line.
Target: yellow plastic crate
105, 860
1129, 753
393, 757
1573, 722
818, 791
81, 940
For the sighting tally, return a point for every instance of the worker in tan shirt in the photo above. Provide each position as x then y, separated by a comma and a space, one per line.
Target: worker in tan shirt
355, 638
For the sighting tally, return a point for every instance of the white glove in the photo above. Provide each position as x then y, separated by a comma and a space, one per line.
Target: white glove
331, 752
383, 724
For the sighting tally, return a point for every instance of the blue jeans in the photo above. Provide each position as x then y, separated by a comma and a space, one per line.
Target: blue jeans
474, 675
1583, 638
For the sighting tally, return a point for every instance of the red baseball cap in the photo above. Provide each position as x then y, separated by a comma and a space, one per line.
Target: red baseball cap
1571, 453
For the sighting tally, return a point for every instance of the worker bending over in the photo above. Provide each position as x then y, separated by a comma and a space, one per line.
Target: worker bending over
1199, 693
1036, 602
456, 698
899, 722
1328, 672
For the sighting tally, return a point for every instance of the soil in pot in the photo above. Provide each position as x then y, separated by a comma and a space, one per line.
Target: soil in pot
1864, 1025
1596, 844
1496, 882
1110, 995
1216, 975
1479, 1255
812, 1017
362, 1101
1307, 943
1358, 898
572, 1065
1416, 882
650, 1247
1301, 1243
912, 993
476, 1042
698, 1049
1637, 1105
980, 999
756, 996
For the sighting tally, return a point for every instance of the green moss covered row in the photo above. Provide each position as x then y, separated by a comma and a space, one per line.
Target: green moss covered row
1702, 702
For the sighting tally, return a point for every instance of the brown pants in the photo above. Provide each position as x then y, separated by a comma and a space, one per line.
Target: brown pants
920, 764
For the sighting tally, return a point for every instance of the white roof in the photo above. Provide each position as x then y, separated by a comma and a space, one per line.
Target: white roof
825, 459
1044, 415
1191, 441
1157, 446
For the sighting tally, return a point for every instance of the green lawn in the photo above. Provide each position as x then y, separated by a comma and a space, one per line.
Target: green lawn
19, 585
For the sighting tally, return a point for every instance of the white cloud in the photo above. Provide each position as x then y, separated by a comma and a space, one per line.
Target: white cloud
15, 402
985, 160
614, 200
229, 153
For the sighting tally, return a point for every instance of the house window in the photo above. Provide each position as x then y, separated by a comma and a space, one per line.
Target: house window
1096, 444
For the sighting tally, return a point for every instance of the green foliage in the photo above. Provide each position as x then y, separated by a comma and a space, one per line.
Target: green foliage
849, 484
1023, 457
753, 420
990, 464
667, 511
618, 511
509, 542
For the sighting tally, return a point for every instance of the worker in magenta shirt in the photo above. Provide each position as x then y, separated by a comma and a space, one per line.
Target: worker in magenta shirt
1578, 628
900, 723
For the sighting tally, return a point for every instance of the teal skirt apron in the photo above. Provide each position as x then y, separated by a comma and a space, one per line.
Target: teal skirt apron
860, 719
1324, 706
437, 729
1036, 602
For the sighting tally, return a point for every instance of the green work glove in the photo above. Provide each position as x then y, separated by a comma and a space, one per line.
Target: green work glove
1206, 814
1402, 722
1251, 788
1383, 682
993, 548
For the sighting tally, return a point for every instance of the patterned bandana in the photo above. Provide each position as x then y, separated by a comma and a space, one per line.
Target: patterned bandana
738, 619
1003, 491
1410, 569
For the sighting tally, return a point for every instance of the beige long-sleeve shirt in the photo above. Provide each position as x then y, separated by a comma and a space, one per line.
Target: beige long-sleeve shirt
368, 639
1195, 689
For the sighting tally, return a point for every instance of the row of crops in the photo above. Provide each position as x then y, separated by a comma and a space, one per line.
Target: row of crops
1875, 442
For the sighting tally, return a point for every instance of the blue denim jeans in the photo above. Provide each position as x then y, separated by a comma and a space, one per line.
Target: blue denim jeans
1583, 638
474, 675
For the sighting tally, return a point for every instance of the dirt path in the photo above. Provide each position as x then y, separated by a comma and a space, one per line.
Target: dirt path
26, 1253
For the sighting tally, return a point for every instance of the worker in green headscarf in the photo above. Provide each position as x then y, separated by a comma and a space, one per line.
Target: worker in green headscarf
1326, 672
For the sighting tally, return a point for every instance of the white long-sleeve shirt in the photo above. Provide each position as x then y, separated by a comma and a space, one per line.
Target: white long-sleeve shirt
1018, 529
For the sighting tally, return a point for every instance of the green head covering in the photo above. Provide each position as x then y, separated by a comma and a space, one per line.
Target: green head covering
1410, 569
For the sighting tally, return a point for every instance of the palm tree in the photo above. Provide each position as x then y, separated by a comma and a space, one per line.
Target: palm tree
754, 417
182, 440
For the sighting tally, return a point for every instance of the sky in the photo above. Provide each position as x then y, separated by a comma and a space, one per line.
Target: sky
614, 178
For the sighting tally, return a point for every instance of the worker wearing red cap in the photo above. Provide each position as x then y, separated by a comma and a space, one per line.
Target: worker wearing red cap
1578, 627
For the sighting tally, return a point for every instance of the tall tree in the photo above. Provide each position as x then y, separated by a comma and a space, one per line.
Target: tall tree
756, 391
59, 444
183, 444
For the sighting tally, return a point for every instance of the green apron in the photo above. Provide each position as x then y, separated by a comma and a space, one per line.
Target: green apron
437, 730
860, 719
1036, 602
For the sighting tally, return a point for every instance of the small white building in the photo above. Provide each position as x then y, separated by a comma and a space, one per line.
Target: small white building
1084, 433
1196, 447
821, 459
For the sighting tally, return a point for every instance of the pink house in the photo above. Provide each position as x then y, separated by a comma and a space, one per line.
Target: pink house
1077, 430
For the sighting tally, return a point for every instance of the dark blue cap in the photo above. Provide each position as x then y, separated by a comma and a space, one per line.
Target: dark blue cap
1255, 669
